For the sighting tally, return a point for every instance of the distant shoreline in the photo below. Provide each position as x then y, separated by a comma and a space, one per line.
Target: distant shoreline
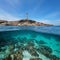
23, 23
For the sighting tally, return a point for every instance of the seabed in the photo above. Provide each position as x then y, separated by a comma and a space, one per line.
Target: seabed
29, 45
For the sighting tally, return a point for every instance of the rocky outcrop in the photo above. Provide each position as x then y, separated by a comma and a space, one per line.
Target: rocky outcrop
23, 22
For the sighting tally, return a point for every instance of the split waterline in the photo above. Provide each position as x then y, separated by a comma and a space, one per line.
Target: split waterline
29, 44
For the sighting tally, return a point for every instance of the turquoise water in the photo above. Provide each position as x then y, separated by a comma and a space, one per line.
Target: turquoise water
45, 45
24, 36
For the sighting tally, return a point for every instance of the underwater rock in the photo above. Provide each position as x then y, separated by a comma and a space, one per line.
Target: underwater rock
45, 50
58, 44
15, 49
35, 59
33, 35
15, 56
11, 47
3, 42
29, 46
2, 55
42, 42
53, 57
0, 49
8, 58
57, 51
22, 40
34, 53
3, 48
30, 42
18, 55
18, 45
31, 50
57, 38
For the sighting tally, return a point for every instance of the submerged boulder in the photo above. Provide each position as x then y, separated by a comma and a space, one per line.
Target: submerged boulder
17, 55
45, 50
53, 57
8, 58
34, 53
35, 59
42, 42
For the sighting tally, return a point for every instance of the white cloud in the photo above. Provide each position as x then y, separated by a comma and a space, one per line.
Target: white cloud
47, 18
6, 16
55, 22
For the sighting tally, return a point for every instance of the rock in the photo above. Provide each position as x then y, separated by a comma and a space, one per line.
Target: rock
12, 56
33, 35
15, 55
29, 47
22, 40
32, 51
3, 48
2, 55
42, 42
18, 55
35, 59
0, 49
15, 49
18, 45
11, 47
8, 58
31, 42
45, 50
53, 57
3, 42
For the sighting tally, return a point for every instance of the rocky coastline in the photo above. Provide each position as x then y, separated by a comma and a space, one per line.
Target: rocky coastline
23, 22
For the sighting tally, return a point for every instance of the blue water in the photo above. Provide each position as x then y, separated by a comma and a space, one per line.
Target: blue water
47, 29
39, 35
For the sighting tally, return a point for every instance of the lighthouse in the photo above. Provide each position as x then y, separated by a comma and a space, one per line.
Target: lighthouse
26, 16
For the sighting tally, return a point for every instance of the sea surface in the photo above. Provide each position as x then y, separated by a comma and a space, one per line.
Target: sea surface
34, 41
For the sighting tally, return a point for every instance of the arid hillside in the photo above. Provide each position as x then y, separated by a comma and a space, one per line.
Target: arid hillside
23, 22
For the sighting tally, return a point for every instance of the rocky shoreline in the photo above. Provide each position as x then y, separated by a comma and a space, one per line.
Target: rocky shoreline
23, 22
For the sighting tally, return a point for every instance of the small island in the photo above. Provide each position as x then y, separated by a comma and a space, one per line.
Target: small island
23, 22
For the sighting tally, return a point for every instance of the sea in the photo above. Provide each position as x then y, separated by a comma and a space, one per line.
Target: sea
35, 42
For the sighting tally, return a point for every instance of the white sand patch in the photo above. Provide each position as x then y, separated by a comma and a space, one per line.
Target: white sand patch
26, 58
26, 55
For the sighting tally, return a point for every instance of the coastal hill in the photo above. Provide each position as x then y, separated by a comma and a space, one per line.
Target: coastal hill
23, 22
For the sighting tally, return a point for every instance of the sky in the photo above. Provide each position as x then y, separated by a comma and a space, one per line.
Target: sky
46, 11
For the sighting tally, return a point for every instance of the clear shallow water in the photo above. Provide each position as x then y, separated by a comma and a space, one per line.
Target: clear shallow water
29, 39
45, 29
